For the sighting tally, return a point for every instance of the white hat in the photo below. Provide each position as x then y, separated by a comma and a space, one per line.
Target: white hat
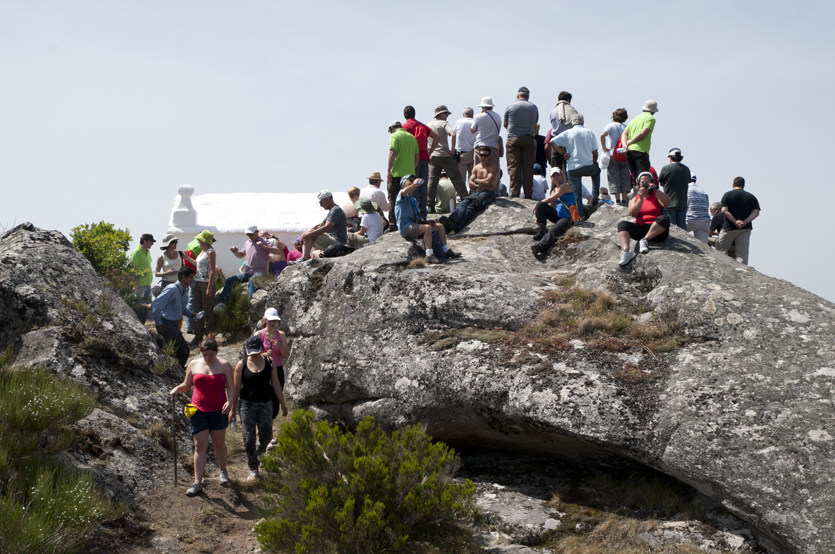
271, 315
324, 194
252, 229
395, 123
650, 106
486, 102
554, 170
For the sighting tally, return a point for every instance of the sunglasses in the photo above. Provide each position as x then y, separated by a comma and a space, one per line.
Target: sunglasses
483, 154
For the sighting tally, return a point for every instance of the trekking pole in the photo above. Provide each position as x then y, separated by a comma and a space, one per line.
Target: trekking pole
174, 436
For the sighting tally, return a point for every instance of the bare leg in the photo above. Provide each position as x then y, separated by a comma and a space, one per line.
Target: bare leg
201, 443
219, 442
427, 237
624, 237
306, 248
441, 230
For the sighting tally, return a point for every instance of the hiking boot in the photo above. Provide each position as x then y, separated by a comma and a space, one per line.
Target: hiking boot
626, 256
219, 307
451, 255
447, 223
538, 253
595, 201
538, 237
194, 490
432, 259
253, 475
224, 479
643, 246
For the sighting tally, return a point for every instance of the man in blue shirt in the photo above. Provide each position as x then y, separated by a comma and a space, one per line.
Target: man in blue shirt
578, 146
410, 226
168, 310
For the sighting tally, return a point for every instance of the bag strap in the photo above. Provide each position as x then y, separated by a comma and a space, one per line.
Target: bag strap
567, 208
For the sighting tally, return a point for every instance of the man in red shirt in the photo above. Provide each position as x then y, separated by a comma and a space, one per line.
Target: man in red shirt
422, 133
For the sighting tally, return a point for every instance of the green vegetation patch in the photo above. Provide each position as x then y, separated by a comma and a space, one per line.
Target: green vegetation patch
233, 318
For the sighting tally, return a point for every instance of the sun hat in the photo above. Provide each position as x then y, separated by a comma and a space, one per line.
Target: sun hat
254, 345
375, 176
168, 239
252, 229
206, 236
650, 106
441, 109
365, 206
324, 194
486, 102
271, 315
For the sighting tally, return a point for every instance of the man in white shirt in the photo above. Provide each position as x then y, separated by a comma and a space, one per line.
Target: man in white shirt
578, 146
443, 159
371, 224
463, 144
487, 128
377, 196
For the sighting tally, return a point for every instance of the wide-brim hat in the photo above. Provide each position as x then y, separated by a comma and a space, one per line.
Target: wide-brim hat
168, 239
375, 176
441, 109
365, 206
206, 236
650, 106
486, 102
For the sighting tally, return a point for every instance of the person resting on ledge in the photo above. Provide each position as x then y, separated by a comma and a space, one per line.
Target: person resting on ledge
411, 227
483, 182
555, 209
650, 223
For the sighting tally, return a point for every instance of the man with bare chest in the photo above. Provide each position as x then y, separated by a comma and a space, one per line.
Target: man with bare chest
483, 182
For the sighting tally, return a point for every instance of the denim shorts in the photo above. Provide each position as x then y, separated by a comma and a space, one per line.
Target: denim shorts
213, 421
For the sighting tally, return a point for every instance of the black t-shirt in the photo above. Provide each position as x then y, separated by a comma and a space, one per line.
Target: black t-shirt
716, 222
675, 178
540, 156
740, 203
257, 387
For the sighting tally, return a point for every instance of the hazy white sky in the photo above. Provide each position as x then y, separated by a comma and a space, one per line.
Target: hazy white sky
106, 107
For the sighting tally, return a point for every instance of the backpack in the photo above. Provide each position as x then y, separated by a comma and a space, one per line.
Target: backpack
336, 250
618, 156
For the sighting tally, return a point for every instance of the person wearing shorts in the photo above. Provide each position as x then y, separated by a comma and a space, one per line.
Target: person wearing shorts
411, 228
214, 397
650, 224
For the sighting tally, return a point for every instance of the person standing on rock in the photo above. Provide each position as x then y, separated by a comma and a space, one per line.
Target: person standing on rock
487, 129
422, 133
650, 223
698, 211
617, 172
140, 259
443, 159
257, 252
168, 311
578, 146
403, 159
409, 222
483, 184
463, 143
740, 208
637, 138
520, 119
214, 396
204, 291
675, 178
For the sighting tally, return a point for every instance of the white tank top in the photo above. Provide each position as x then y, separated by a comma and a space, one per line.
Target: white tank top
168, 263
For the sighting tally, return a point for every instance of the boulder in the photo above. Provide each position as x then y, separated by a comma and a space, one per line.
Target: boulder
741, 409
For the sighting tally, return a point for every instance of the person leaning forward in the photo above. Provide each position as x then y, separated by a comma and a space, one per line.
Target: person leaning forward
412, 227
333, 229
168, 311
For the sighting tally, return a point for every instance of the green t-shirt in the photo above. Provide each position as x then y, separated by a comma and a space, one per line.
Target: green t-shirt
142, 261
644, 121
407, 147
445, 193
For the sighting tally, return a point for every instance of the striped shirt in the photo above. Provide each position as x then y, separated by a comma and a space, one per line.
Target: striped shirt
697, 204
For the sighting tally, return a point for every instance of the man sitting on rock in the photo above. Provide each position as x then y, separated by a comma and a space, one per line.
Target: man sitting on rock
555, 208
409, 223
332, 230
483, 182
168, 311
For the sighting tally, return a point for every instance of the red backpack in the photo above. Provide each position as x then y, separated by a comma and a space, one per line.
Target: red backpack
618, 156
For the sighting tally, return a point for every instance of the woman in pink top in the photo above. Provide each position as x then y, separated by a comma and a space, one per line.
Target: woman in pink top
275, 344
214, 397
650, 223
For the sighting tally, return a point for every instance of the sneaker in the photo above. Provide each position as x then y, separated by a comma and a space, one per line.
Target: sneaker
450, 254
253, 475
447, 223
272, 444
643, 246
219, 307
224, 478
626, 256
431, 259
194, 490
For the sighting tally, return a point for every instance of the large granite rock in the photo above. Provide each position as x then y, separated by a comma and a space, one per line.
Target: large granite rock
743, 412
114, 357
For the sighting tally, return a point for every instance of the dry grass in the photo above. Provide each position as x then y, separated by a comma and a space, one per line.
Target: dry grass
162, 433
417, 263
617, 535
450, 338
571, 236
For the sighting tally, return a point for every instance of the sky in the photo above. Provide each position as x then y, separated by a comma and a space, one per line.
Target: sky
107, 107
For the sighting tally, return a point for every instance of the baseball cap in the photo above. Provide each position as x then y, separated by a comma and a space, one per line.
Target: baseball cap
324, 194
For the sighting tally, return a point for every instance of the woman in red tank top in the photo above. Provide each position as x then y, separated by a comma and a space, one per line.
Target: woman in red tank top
214, 396
651, 224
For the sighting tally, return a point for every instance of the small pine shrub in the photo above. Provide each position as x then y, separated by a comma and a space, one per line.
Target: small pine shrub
102, 244
361, 492
234, 317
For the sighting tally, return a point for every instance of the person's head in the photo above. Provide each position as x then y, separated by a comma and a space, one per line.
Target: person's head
538, 170
523, 93
169, 242
675, 155
375, 179
325, 199
208, 349
205, 238
715, 208
644, 180
254, 346
444, 174
556, 176
185, 276
650, 106
619, 115
483, 153
297, 244
739, 183
353, 193
486, 104
566, 96
146, 241
441, 112
468, 112
407, 180
409, 112
578, 120
252, 233
271, 318
394, 126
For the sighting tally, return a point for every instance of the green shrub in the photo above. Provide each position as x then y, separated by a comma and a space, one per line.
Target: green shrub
102, 244
361, 492
234, 317
44, 507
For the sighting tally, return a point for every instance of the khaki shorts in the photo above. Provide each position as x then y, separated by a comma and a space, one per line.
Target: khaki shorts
324, 240
412, 231
356, 240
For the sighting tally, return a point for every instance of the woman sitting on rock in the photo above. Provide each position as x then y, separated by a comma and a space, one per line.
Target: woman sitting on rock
650, 223
557, 209
214, 397
256, 380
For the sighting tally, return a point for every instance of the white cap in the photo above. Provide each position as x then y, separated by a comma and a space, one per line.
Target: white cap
271, 315
252, 229
324, 194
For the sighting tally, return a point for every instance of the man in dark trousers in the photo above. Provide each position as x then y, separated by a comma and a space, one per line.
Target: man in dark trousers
483, 183
169, 308
740, 208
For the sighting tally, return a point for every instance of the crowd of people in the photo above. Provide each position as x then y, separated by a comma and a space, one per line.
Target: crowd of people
451, 171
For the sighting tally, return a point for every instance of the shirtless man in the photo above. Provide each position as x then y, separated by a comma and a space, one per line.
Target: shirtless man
483, 183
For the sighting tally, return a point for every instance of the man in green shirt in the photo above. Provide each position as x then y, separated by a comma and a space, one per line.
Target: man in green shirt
140, 258
637, 137
403, 159
445, 192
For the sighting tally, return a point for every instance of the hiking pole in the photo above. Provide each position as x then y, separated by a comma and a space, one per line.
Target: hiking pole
174, 436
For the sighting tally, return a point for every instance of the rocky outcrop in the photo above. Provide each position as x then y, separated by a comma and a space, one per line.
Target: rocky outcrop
49, 298
742, 411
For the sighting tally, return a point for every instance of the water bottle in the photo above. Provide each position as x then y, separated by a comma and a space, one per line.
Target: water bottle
199, 315
420, 181
621, 150
232, 424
